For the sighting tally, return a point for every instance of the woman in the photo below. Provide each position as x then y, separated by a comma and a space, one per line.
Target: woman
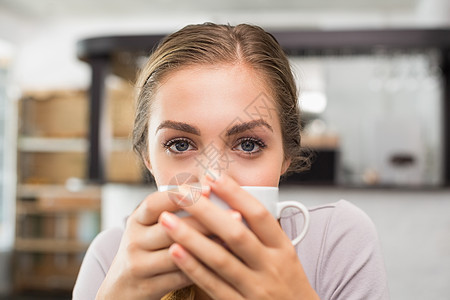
220, 102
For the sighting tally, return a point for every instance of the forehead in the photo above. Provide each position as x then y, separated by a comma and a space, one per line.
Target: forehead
214, 95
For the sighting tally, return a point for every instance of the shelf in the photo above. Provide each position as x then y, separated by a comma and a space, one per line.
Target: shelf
35, 190
43, 144
57, 213
46, 284
33, 208
56, 198
55, 272
42, 245
46, 144
121, 145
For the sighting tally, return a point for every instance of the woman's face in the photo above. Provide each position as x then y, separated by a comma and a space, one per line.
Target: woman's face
218, 119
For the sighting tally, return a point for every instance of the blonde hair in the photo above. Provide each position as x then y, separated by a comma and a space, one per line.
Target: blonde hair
187, 293
208, 44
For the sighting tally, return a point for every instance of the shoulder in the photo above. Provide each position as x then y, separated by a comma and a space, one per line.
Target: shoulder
110, 235
331, 220
96, 263
341, 253
342, 227
104, 247
346, 218
350, 263
341, 208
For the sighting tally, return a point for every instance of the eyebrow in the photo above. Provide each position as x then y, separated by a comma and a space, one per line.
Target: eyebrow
236, 129
181, 126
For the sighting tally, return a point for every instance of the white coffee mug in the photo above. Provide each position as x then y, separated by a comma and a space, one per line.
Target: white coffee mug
268, 196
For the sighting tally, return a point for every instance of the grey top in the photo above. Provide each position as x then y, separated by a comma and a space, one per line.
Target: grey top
340, 254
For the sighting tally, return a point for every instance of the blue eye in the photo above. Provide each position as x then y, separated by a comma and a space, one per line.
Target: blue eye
178, 145
250, 145
181, 146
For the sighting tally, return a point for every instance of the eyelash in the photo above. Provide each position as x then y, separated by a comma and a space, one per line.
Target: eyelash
260, 143
257, 141
172, 142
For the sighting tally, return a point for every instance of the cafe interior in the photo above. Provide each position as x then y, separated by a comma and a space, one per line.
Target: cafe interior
374, 91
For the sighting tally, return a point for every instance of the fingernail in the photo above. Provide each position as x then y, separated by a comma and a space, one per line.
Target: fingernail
236, 215
206, 189
212, 176
169, 220
177, 251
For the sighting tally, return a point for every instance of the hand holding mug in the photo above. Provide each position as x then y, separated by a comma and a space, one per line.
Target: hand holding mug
268, 196
259, 261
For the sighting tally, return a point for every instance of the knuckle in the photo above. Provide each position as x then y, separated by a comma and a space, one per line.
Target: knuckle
220, 262
273, 271
288, 250
292, 255
236, 235
260, 293
132, 248
182, 279
146, 210
147, 206
263, 291
134, 267
190, 267
209, 284
130, 221
144, 287
260, 213
131, 263
179, 279
291, 252
234, 188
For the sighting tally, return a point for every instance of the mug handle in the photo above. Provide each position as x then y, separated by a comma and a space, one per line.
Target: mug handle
294, 204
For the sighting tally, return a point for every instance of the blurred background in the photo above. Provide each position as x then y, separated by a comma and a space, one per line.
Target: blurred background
374, 90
